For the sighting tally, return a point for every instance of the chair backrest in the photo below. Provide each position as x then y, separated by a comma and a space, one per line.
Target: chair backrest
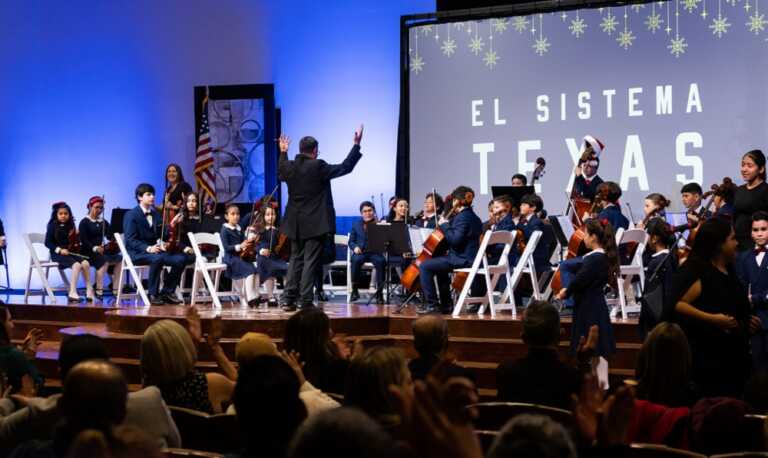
341, 239
530, 247
658, 451
121, 244
492, 416
638, 237
495, 238
187, 453
742, 455
619, 234
33, 240
206, 238
211, 433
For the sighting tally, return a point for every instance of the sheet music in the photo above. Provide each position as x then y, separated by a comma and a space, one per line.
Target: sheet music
418, 235
566, 225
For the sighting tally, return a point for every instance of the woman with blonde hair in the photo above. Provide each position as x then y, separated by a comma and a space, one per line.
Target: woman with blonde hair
168, 357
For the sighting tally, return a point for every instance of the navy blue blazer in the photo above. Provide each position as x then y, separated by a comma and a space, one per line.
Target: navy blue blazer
615, 217
540, 254
463, 236
587, 190
506, 224
357, 236
139, 235
755, 278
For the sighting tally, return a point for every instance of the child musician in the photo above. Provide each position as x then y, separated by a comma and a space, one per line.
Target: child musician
143, 241
752, 269
587, 180
268, 263
94, 228
610, 193
599, 268
530, 206
433, 204
188, 220
58, 237
234, 241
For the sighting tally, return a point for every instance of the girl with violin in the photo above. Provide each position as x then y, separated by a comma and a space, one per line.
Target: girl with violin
176, 189
400, 214
750, 197
94, 230
654, 206
599, 268
607, 200
188, 220
660, 264
268, 262
234, 240
723, 199
63, 241
462, 234
433, 204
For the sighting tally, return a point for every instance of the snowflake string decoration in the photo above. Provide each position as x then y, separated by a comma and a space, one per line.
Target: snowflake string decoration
756, 23
417, 64
677, 46
577, 27
637, 7
653, 22
747, 6
491, 59
459, 25
500, 25
448, 47
719, 26
608, 24
476, 45
426, 29
625, 39
520, 24
541, 46
690, 5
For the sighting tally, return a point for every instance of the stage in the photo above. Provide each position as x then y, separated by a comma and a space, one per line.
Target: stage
477, 342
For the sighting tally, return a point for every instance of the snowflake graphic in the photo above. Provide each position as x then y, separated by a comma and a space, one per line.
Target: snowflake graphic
448, 47
653, 22
720, 26
476, 45
577, 27
520, 24
690, 5
500, 25
625, 39
426, 29
677, 46
747, 6
608, 24
756, 23
491, 59
541, 46
637, 7
417, 64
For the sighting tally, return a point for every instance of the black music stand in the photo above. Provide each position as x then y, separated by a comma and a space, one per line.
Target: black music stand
388, 239
559, 233
116, 219
4, 263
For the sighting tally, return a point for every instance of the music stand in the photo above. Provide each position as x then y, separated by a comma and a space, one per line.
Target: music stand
116, 219
387, 239
558, 222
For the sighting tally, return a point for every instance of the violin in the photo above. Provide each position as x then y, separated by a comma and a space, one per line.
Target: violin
253, 231
73, 237
172, 244
683, 252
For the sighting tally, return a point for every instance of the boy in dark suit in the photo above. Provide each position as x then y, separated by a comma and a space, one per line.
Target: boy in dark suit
752, 269
586, 182
143, 240
358, 239
463, 236
309, 214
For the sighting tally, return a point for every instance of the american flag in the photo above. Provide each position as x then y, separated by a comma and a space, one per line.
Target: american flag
206, 181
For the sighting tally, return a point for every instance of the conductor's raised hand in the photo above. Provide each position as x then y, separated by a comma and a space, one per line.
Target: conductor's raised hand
358, 134
284, 142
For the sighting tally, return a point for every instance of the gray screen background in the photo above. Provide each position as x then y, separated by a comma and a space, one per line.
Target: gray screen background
729, 71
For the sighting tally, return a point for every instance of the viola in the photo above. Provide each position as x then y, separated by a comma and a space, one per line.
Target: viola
283, 247
73, 237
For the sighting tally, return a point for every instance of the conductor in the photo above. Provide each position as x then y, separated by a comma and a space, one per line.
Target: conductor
309, 214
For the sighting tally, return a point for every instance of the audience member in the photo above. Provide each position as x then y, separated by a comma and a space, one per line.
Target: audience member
718, 426
168, 358
22, 375
369, 379
430, 339
94, 398
664, 368
37, 417
341, 433
541, 377
269, 409
533, 436
308, 333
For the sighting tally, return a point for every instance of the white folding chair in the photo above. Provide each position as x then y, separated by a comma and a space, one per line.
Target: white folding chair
366, 265
203, 269
491, 272
42, 265
328, 284
628, 271
135, 272
525, 265
181, 289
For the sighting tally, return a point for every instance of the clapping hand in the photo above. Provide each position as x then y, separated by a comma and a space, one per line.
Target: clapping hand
603, 420
284, 141
358, 135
